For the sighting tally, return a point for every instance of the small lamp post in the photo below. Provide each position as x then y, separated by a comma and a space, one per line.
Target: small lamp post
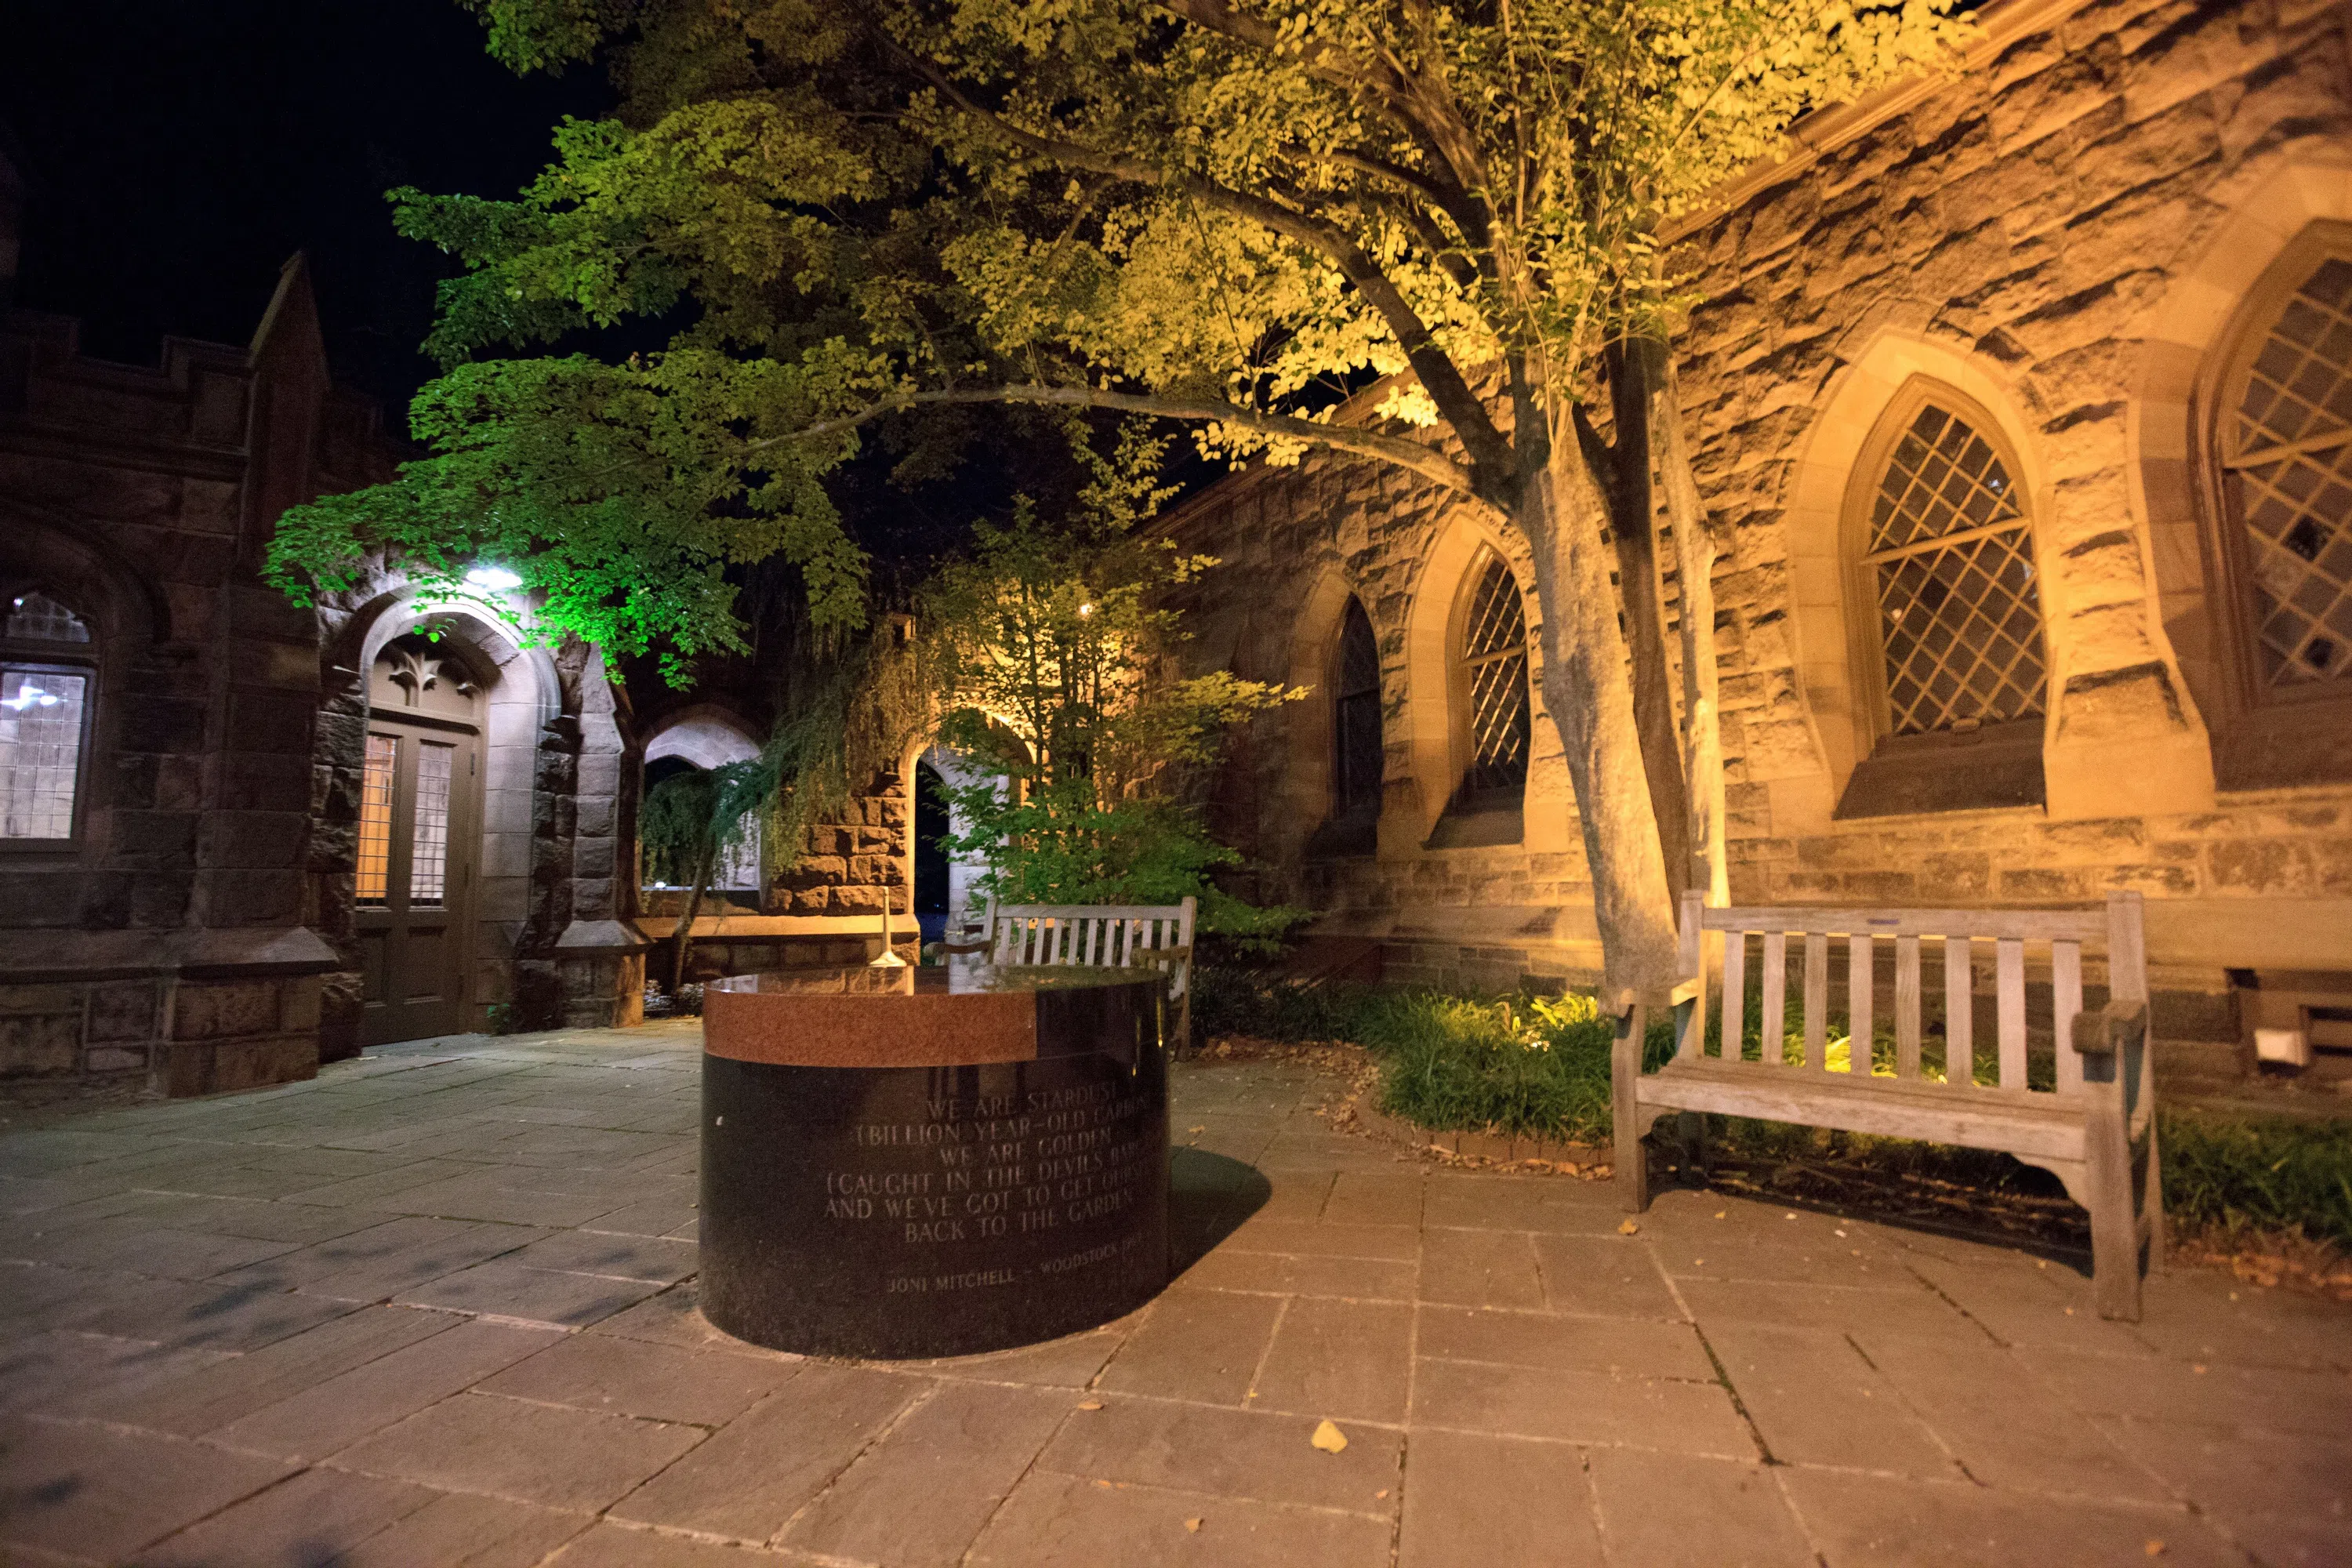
889, 959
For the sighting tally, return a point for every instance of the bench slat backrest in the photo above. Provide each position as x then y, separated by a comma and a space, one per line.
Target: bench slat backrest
1111, 936
2060, 934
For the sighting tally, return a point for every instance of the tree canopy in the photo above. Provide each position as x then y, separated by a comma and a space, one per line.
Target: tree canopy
1233, 212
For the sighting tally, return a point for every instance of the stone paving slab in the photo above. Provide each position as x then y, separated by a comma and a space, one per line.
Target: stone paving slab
438, 1308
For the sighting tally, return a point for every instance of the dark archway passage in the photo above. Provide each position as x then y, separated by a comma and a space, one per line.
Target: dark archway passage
930, 855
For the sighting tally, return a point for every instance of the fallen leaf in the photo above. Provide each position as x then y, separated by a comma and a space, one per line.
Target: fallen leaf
1627, 1228
1091, 1404
1193, 1525
1327, 1437
1788, 1217
1699, 1262
1841, 1233
2155, 1549
2070, 1311
1382, 1493
1722, 1214
1200, 1129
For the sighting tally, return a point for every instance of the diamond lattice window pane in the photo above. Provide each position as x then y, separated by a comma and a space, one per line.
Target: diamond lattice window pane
2291, 486
1942, 477
1494, 650
1960, 614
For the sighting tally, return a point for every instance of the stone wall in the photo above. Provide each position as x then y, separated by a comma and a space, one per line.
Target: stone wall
161, 946
2061, 234
195, 932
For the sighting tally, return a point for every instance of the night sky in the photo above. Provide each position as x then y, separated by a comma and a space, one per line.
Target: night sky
182, 149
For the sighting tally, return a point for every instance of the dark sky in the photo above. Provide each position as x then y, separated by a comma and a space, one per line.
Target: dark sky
181, 149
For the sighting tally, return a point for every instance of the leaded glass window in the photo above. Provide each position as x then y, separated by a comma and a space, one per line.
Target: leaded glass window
1495, 658
428, 856
35, 617
1356, 717
41, 714
2287, 472
1949, 559
376, 819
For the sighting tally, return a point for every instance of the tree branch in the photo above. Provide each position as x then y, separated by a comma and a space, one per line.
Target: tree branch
1400, 451
1490, 454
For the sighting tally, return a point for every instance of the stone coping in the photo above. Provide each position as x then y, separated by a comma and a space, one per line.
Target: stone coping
959, 1016
36, 956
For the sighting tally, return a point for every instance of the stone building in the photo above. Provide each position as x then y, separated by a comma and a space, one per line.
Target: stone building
2023, 401
239, 837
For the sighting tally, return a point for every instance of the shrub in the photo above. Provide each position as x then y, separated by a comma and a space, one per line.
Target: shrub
1514, 1064
2267, 1172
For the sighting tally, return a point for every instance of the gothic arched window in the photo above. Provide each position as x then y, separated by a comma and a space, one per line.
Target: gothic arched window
1493, 660
1948, 560
2286, 459
1358, 762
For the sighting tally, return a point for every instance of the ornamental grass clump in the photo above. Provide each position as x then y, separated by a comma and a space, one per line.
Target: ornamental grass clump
1529, 1064
1516, 1064
2263, 1174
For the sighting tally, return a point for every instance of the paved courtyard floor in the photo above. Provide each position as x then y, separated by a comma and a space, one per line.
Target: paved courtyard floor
438, 1309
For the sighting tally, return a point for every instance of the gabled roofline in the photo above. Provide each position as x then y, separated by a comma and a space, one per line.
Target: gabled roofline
1825, 130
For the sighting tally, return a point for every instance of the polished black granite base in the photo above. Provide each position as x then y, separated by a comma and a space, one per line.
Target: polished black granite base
914, 1211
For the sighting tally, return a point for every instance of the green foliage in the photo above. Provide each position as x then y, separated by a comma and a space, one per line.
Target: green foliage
1054, 664
692, 820
2267, 1172
1528, 1065
837, 209
1514, 1064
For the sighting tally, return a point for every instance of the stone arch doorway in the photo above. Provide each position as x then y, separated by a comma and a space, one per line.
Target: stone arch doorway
419, 840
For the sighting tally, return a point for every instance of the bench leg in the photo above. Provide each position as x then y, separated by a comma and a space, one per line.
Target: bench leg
1696, 1155
2115, 1226
1624, 1076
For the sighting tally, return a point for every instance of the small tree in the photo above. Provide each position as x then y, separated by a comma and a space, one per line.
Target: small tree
1056, 670
689, 826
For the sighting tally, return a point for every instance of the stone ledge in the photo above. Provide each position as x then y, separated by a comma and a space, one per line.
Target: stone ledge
33, 956
767, 928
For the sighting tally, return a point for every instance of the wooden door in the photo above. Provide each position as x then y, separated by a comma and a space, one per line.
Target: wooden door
418, 840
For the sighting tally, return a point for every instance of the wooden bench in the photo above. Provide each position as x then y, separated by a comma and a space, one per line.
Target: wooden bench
2095, 1127
1115, 936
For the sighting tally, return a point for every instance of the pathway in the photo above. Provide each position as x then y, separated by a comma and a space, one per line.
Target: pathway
438, 1309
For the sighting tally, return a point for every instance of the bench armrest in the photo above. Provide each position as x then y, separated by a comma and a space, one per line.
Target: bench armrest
2118, 1025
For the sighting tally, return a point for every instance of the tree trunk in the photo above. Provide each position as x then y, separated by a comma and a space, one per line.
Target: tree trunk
1592, 704
1635, 373
681, 941
1701, 714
